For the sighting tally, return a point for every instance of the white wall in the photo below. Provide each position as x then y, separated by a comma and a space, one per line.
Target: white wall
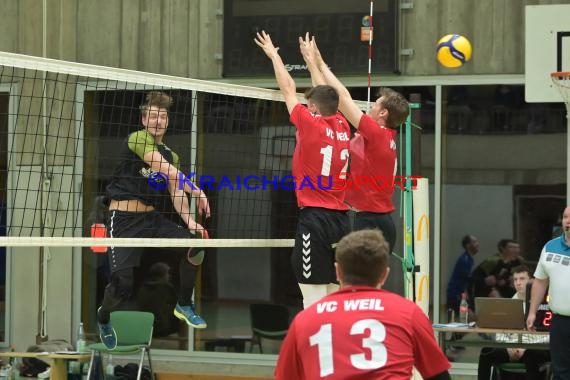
25, 261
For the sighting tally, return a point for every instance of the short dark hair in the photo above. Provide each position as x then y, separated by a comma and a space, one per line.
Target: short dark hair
363, 257
520, 269
157, 99
504, 242
466, 240
397, 106
325, 97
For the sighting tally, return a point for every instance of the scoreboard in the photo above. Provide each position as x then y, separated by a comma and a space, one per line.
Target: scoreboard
341, 29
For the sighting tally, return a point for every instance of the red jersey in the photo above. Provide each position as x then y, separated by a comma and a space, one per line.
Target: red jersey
373, 156
360, 332
320, 156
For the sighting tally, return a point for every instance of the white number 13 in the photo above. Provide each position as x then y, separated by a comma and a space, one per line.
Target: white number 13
374, 342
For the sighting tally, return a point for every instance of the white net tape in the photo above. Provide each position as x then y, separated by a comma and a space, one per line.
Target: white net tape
136, 242
130, 76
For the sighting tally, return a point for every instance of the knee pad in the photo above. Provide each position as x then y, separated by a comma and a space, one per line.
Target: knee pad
196, 256
123, 282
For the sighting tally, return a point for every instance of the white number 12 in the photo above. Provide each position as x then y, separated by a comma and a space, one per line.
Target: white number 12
327, 153
374, 342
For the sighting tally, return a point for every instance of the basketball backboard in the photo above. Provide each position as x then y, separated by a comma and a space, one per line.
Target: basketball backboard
547, 49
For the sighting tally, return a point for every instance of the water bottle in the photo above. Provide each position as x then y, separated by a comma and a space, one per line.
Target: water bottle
450, 315
15, 368
464, 309
81, 343
110, 368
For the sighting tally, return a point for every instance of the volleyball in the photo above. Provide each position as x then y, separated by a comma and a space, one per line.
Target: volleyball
453, 50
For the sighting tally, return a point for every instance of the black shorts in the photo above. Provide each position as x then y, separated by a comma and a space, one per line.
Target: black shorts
383, 221
313, 256
151, 224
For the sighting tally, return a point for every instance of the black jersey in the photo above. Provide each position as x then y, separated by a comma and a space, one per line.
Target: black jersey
131, 175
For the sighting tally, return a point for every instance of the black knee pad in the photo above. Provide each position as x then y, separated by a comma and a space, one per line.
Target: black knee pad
123, 281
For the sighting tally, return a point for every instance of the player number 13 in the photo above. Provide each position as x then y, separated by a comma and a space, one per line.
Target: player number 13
373, 341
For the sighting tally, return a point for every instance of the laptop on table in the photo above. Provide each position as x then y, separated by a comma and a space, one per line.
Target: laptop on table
500, 313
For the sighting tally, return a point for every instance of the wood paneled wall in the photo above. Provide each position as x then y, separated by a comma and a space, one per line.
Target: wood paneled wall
495, 29
184, 37
175, 37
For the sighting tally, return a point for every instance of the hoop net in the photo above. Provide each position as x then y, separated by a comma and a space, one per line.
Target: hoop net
561, 81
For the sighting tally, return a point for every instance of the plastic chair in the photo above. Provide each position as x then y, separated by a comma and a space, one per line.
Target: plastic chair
268, 321
511, 367
548, 375
519, 368
134, 334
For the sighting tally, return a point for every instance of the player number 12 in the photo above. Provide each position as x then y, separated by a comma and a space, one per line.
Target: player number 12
327, 153
374, 342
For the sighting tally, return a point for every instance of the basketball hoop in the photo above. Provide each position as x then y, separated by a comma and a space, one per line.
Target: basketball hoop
561, 81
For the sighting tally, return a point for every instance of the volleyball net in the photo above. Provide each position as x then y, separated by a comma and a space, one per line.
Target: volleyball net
62, 125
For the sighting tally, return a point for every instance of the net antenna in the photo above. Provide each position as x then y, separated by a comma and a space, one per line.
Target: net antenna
370, 58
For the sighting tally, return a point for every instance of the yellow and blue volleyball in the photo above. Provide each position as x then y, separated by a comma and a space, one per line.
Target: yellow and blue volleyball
453, 50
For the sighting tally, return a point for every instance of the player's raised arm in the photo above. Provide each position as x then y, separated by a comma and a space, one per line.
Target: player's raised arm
284, 80
346, 105
201, 200
159, 164
182, 207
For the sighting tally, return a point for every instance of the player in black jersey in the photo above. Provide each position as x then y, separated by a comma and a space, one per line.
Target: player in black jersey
148, 168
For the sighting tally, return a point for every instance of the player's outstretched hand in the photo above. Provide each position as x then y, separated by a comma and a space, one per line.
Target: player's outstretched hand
203, 205
263, 40
309, 50
306, 50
